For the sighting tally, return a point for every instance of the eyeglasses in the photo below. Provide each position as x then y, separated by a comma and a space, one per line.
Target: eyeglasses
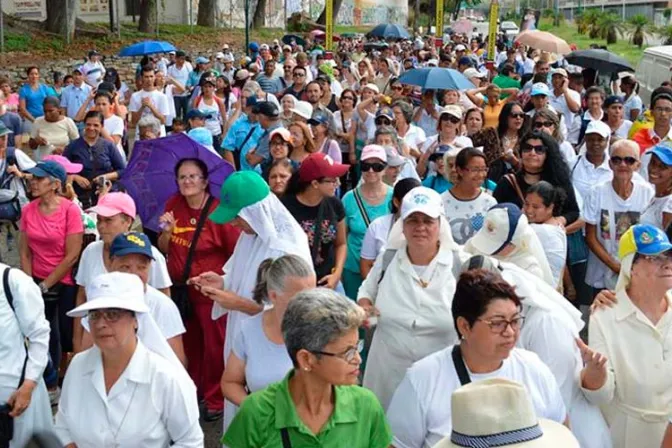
517, 115
450, 118
190, 177
538, 149
544, 124
347, 98
299, 75
399, 88
348, 355
660, 259
383, 122
663, 110
499, 326
376, 167
111, 315
618, 160
476, 170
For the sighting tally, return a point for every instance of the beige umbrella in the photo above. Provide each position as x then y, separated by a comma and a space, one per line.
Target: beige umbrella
544, 41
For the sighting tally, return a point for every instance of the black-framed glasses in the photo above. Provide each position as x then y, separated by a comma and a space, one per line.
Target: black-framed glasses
348, 355
399, 88
111, 315
383, 122
543, 124
376, 167
499, 326
538, 149
618, 160
517, 115
299, 75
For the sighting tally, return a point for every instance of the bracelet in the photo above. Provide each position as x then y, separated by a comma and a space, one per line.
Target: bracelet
43, 288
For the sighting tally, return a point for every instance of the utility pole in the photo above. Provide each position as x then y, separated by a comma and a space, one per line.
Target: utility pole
247, 26
118, 19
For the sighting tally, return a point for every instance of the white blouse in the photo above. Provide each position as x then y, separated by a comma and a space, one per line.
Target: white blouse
152, 403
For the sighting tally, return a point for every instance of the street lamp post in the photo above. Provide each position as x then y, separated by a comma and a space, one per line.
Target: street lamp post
247, 25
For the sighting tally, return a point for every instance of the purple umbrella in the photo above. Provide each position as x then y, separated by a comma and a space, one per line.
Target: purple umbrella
150, 175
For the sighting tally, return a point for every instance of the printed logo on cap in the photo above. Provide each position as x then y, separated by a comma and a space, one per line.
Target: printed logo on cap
135, 240
646, 238
421, 199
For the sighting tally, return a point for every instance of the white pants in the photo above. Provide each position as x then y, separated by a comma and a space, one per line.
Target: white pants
36, 419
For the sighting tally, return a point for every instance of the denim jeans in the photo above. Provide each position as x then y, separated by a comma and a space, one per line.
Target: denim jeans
181, 106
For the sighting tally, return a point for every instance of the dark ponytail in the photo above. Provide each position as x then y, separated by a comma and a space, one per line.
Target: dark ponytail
550, 195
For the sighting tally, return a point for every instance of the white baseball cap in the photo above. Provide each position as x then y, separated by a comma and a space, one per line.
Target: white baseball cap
228, 57
113, 290
598, 127
219, 55
372, 87
473, 73
303, 109
423, 200
460, 47
499, 228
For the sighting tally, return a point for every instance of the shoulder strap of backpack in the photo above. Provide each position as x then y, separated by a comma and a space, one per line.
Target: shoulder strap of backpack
10, 300
388, 256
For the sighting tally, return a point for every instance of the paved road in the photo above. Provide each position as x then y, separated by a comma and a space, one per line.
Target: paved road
213, 433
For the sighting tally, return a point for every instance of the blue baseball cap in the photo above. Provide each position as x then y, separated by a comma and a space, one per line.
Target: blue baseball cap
540, 88
643, 239
664, 153
498, 229
254, 47
251, 102
195, 113
49, 169
202, 60
319, 118
131, 243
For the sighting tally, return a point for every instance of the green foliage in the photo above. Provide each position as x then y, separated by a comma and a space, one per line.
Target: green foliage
610, 26
592, 18
667, 13
639, 28
548, 13
665, 33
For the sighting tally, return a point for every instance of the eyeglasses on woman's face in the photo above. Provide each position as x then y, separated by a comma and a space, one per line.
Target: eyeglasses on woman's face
110, 315
348, 355
499, 325
537, 149
543, 124
517, 116
376, 167
618, 160
383, 122
189, 177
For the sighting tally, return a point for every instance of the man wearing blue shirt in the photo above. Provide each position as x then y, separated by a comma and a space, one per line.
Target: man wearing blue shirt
11, 120
242, 136
268, 115
75, 95
268, 81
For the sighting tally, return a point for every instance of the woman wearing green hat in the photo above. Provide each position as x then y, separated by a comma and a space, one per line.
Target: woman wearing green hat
268, 231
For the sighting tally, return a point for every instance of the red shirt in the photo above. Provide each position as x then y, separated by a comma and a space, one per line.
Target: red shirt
215, 243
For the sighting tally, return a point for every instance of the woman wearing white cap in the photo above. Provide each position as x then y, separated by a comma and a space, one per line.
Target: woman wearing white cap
126, 390
486, 312
628, 364
449, 128
507, 236
410, 289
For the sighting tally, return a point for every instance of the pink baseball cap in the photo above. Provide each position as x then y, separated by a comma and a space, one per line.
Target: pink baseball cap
70, 168
114, 203
374, 152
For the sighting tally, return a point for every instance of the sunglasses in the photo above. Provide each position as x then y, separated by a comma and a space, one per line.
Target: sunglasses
383, 122
347, 98
399, 88
538, 149
517, 115
450, 118
543, 124
299, 75
618, 160
376, 167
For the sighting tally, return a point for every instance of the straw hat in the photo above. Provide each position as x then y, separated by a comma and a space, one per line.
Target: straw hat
498, 412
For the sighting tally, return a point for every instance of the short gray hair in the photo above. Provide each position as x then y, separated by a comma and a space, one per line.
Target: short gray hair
625, 144
272, 274
150, 121
316, 317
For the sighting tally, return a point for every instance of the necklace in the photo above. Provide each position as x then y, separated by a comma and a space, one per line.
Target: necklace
192, 220
123, 419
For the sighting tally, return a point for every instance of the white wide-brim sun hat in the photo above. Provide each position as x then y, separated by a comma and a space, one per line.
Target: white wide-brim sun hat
113, 290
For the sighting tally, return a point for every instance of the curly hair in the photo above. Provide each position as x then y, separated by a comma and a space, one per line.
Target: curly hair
504, 115
555, 170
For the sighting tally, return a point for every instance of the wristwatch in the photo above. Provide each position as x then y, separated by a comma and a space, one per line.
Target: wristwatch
43, 288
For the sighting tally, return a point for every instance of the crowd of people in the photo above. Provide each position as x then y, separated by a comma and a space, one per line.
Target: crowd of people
504, 247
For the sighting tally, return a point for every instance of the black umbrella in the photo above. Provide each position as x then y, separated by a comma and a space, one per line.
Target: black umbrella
601, 60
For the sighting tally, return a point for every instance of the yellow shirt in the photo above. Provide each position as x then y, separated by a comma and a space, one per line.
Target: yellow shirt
492, 114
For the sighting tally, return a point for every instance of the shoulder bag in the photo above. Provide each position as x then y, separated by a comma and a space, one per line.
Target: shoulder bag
10, 207
6, 421
460, 367
180, 292
360, 205
511, 178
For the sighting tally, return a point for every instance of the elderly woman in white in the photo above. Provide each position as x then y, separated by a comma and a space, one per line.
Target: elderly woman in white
410, 289
124, 392
21, 366
629, 360
268, 231
507, 236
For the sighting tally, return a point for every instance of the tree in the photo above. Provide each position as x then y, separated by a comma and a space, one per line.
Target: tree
667, 13
259, 16
665, 34
61, 16
592, 18
147, 20
610, 26
639, 25
322, 20
207, 12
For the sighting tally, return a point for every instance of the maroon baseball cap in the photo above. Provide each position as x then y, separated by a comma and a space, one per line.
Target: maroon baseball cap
318, 165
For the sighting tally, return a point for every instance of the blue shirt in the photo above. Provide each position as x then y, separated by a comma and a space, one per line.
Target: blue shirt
264, 145
439, 184
236, 136
101, 158
13, 123
35, 98
73, 97
271, 84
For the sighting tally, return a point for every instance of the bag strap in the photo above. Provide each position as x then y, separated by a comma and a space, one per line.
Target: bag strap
511, 178
362, 210
10, 301
578, 159
388, 256
317, 232
284, 433
192, 248
247, 137
460, 368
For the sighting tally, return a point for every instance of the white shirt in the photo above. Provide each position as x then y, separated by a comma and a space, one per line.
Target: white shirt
150, 405
420, 412
461, 141
612, 216
633, 103
376, 235
653, 214
427, 122
181, 74
91, 265
554, 241
414, 137
94, 72
168, 91
115, 126
165, 313
559, 103
414, 321
623, 130
585, 175
466, 217
636, 399
159, 100
568, 153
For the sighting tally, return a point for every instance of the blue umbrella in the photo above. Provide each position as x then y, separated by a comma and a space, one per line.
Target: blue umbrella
390, 31
147, 47
436, 78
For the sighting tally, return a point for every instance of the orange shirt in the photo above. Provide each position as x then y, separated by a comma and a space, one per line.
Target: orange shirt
492, 114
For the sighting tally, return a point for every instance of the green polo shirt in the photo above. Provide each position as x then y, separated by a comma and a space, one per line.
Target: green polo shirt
358, 421
504, 82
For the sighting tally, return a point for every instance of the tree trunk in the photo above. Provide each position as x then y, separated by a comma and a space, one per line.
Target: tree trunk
322, 20
206, 13
147, 21
416, 14
259, 18
61, 16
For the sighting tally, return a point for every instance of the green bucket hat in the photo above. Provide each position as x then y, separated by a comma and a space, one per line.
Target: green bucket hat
239, 190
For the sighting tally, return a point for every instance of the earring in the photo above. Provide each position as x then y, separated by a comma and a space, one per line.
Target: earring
306, 369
